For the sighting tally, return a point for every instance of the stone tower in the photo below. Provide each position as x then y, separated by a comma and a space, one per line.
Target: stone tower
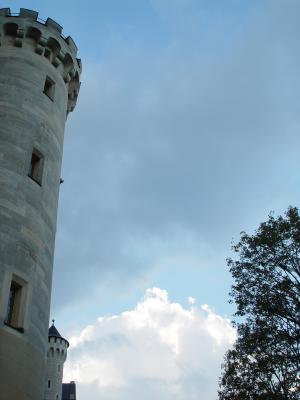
56, 356
39, 84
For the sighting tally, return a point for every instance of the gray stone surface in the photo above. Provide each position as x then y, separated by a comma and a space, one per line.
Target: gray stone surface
29, 53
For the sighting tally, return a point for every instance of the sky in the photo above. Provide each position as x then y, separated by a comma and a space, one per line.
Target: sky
186, 133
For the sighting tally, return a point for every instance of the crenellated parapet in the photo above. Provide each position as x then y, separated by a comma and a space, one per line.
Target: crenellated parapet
58, 347
45, 38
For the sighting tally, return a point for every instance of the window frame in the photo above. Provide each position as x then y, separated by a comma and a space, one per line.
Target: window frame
36, 166
16, 308
49, 88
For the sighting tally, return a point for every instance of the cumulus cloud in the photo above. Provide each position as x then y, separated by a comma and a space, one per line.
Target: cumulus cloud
157, 349
191, 300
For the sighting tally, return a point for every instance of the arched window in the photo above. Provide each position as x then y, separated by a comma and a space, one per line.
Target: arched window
68, 63
10, 33
53, 45
33, 33
10, 29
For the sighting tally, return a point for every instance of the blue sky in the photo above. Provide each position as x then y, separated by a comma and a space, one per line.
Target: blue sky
186, 133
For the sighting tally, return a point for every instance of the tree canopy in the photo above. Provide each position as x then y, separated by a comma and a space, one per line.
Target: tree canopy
264, 363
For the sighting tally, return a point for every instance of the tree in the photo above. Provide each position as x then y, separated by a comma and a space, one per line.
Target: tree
264, 363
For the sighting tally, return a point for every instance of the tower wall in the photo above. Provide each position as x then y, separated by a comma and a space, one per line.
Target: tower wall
56, 356
39, 83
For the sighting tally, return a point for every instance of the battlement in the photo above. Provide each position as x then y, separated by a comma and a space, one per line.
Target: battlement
58, 342
27, 30
57, 347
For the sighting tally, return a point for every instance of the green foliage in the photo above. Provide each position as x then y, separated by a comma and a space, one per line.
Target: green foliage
265, 361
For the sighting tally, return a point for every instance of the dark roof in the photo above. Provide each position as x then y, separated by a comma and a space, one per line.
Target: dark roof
68, 389
54, 332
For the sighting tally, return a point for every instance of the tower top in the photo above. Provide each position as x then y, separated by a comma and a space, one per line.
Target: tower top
25, 29
53, 333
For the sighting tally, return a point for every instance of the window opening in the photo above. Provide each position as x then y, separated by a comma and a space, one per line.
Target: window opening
14, 305
36, 167
49, 384
58, 368
49, 88
47, 53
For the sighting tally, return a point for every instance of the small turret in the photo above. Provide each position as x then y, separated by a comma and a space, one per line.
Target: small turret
56, 356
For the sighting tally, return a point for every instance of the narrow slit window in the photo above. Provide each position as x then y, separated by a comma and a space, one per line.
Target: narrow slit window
35, 171
47, 53
49, 384
13, 313
49, 88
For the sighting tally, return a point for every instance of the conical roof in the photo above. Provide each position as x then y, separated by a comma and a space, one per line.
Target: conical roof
53, 332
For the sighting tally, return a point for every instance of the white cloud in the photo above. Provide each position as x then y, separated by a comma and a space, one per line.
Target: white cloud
159, 347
